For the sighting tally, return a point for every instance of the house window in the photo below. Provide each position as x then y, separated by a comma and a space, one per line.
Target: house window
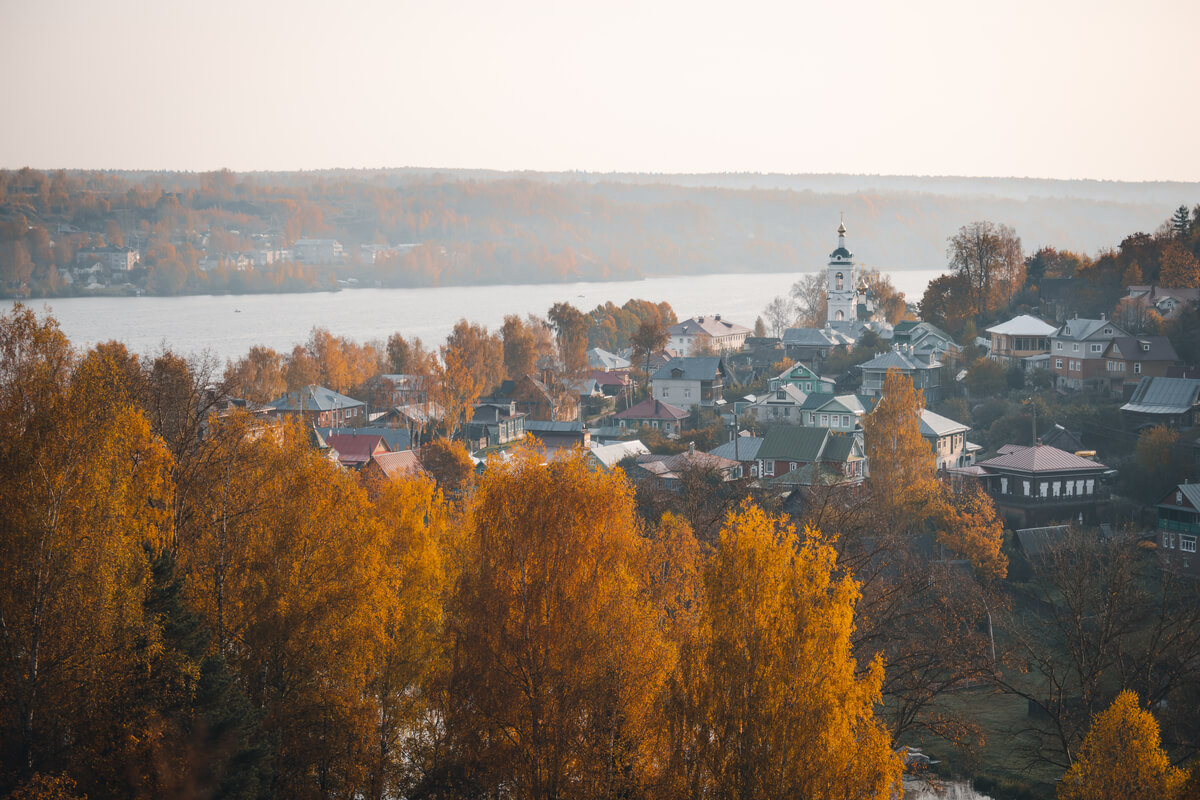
845, 420
1058, 345
1145, 348
1108, 331
1137, 368
1187, 543
1058, 363
1095, 348
1091, 485
824, 420
793, 467
687, 393
1044, 488
1075, 347
1169, 540
1026, 487
1070, 488
666, 392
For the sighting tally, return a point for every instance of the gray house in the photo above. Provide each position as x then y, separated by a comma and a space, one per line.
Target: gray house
690, 381
924, 370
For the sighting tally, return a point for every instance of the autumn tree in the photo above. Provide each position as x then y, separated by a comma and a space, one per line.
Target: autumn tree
571, 331
903, 464
405, 357
1122, 756
782, 709
889, 301
648, 339
450, 466
257, 376
1179, 268
472, 364
985, 378
520, 347
812, 300
945, 303
556, 655
989, 259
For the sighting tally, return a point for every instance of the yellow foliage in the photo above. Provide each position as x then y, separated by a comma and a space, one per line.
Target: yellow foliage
1121, 757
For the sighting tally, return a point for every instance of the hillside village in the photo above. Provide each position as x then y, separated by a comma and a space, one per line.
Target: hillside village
988, 472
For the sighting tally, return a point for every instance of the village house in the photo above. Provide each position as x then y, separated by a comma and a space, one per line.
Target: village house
742, 449
406, 390
1178, 529
320, 406
924, 370
700, 334
758, 357
558, 435
948, 440
114, 259
839, 412
609, 362
317, 251
812, 346
778, 407
1127, 359
923, 339
690, 381
803, 378
495, 423
608, 456
1020, 339
355, 452
1077, 353
395, 438
670, 469
653, 413
811, 456
1174, 402
1166, 303
1040, 485
533, 397
393, 466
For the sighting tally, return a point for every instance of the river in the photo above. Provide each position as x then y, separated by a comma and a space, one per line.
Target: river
228, 325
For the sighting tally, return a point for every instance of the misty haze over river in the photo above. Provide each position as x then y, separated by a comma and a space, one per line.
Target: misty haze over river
228, 325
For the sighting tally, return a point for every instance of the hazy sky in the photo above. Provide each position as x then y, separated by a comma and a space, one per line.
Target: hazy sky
1044, 89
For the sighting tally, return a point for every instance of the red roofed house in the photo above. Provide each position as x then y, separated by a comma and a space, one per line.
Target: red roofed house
653, 414
1039, 485
355, 451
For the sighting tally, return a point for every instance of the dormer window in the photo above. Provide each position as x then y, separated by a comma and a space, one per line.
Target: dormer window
1108, 331
1145, 348
1067, 330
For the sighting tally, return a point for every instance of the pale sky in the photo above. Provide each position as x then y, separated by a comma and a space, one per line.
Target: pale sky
1053, 89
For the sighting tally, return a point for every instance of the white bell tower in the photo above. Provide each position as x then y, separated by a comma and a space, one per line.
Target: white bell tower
842, 288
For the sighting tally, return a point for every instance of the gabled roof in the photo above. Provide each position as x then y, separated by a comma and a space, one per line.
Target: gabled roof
837, 403
651, 408
602, 359
815, 337
1040, 459
604, 378
791, 396
397, 465
1191, 492
314, 398
1063, 439
1080, 329
690, 368
394, 438
936, 425
355, 450
744, 449
671, 466
1164, 396
712, 326
792, 443
536, 426
1024, 325
901, 361
1142, 348
612, 454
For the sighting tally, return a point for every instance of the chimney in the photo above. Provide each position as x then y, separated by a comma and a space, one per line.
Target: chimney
691, 448
1102, 316
717, 317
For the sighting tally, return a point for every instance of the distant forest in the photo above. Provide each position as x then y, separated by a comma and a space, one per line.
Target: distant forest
223, 232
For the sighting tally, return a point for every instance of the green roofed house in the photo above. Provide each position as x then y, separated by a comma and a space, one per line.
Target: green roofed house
811, 456
803, 379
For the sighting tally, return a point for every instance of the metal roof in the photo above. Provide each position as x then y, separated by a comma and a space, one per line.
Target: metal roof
394, 438
936, 425
1041, 458
713, 326
546, 426
1080, 329
651, 408
314, 398
692, 368
744, 449
1024, 325
901, 361
1164, 396
1143, 348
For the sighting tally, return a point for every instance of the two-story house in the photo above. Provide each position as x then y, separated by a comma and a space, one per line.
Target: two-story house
1019, 339
711, 333
1077, 353
925, 371
1040, 485
803, 378
948, 440
495, 422
779, 407
1128, 359
812, 345
1174, 402
690, 381
923, 338
1179, 528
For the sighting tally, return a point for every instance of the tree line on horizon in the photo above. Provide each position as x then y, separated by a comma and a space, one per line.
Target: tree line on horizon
458, 230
